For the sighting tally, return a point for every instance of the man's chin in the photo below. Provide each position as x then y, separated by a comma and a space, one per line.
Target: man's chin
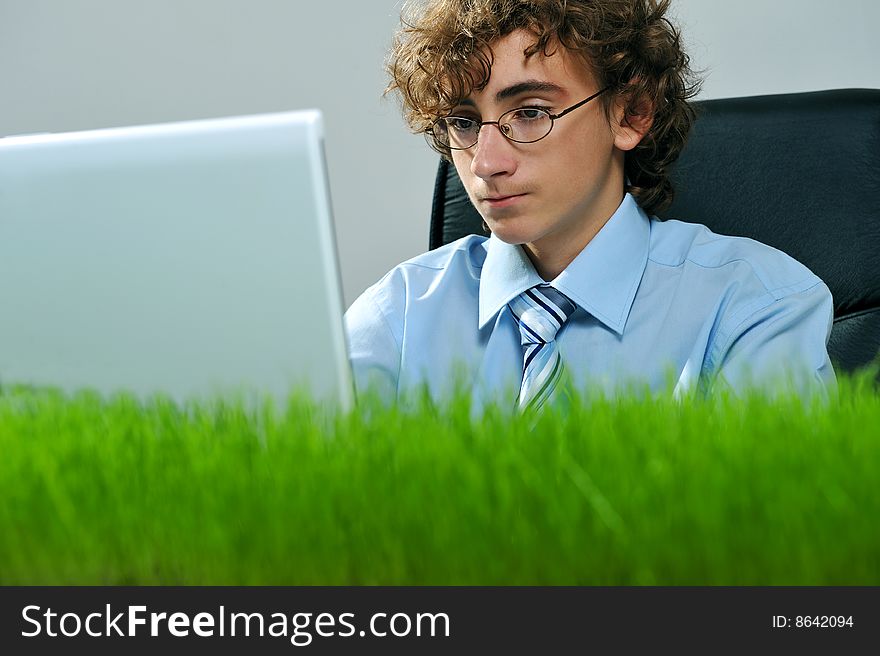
508, 235
513, 241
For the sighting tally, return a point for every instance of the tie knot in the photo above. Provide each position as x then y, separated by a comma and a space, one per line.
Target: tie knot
541, 311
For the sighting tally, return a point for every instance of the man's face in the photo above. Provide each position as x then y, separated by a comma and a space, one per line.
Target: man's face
552, 195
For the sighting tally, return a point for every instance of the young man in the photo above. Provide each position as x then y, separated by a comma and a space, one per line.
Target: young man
562, 118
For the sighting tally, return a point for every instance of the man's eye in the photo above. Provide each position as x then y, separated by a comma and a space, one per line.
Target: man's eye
528, 114
460, 124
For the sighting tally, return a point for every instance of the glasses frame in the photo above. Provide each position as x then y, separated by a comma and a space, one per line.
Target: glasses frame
431, 135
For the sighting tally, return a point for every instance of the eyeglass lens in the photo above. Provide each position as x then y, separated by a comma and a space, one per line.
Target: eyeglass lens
522, 125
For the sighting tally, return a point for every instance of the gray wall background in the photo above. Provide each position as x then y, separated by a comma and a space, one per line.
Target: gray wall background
81, 64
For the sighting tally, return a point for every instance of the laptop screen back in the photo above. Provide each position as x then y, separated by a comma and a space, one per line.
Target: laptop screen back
191, 259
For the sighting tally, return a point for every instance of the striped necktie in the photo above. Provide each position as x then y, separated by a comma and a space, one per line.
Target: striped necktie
540, 312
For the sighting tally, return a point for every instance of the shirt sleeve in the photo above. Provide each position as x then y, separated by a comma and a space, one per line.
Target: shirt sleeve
780, 347
373, 350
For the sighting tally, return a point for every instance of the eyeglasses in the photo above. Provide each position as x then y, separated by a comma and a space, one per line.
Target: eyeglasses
520, 125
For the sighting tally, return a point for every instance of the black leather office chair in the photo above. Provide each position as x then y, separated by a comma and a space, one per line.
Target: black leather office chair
800, 172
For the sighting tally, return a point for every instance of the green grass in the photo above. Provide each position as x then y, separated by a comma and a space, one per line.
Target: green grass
112, 491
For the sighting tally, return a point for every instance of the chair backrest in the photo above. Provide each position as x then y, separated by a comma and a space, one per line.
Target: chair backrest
800, 172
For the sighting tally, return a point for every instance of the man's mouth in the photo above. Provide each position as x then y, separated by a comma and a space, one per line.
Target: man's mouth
500, 200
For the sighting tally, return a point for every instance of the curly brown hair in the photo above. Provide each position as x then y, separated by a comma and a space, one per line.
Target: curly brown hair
442, 53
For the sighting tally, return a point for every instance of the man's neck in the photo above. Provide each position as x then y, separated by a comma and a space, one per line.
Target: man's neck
550, 257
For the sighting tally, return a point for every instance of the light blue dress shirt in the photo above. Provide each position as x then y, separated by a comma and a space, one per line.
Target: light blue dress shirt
663, 303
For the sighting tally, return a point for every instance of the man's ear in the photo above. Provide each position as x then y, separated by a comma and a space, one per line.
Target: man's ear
631, 119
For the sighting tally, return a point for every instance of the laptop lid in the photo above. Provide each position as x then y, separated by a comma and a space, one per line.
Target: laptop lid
193, 259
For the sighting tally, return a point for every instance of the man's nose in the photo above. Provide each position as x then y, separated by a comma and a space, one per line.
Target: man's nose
494, 154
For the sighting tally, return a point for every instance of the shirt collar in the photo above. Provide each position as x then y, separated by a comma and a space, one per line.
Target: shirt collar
602, 279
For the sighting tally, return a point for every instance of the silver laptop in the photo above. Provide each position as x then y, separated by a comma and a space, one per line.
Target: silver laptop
193, 259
